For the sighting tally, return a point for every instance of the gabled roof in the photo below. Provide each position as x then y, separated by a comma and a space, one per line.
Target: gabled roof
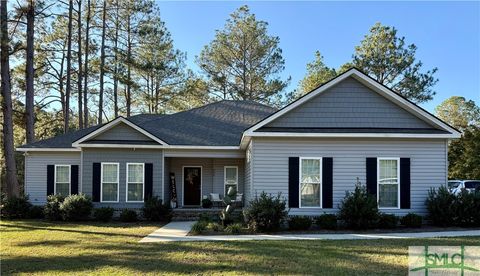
441, 130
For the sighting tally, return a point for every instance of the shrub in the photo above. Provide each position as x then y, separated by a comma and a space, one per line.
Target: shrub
467, 209
154, 210
440, 206
207, 203
359, 209
387, 221
76, 207
327, 221
206, 217
411, 220
265, 213
128, 215
234, 228
16, 207
299, 223
36, 212
52, 208
199, 227
103, 214
214, 226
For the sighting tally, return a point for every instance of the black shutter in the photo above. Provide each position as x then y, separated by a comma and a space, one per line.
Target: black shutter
74, 180
50, 179
96, 174
148, 180
371, 175
293, 166
405, 183
327, 182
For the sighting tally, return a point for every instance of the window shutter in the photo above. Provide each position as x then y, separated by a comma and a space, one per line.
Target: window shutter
74, 180
404, 183
50, 179
327, 182
293, 174
148, 180
96, 182
371, 175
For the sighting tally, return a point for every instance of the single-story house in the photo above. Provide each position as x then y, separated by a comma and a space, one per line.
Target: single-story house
312, 151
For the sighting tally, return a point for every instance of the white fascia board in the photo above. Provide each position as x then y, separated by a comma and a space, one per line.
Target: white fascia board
354, 135
111, 125
158, 146
49, 149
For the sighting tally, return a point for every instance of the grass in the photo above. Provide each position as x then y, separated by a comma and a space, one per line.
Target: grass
29, 246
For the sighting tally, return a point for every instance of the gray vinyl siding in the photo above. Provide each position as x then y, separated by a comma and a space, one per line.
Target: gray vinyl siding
121, 132
36, 172
428, 159
212, 173
248, 174
349, 104
122, 156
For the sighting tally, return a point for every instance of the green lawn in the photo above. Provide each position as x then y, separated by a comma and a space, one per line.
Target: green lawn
95, 248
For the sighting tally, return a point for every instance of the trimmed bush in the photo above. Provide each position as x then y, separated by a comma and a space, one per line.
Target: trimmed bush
76, 207
199, 227
36, 212
52, 208
411, 220
440, 205
387, 221
467, 209
207, 203
103, 214
16, 207
265, 213
214, 226
128, 215
299, 223
327, 221
359, 209
234, 228
154, 210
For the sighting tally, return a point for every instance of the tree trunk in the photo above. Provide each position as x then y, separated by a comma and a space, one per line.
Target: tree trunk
115, 70
85, 73
129, 56
66, 114
79, 55
29, 73
102, 64
11, 181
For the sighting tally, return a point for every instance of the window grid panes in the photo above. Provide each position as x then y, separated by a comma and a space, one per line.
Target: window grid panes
62, 180
110, 182
388, 183
231, 178
310, 182
135, 181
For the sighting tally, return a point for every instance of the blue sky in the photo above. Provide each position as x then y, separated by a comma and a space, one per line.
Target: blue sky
447, 34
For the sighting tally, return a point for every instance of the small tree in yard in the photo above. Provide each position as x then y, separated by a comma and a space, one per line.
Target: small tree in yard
359, 209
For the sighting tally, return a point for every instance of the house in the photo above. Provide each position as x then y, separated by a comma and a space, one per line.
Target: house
310, 151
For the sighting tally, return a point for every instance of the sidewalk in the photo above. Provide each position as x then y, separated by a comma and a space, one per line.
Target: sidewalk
177, 231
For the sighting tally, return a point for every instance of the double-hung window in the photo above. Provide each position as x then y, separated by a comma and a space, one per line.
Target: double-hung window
311, 182
231, 178
388, 182
109, 187
62, 180
135, 182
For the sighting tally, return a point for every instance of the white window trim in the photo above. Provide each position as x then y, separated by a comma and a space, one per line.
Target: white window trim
378, 182
101, 182
143, 183
300, 183
225, 178
69, 179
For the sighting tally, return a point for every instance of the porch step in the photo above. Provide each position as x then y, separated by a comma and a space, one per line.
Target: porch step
190, 214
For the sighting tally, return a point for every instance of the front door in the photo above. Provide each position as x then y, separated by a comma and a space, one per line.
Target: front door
192, 183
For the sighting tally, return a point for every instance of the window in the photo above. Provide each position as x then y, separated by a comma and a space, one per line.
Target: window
310, 182
109, 187
135, 182
231, 178
62, 180
388, 182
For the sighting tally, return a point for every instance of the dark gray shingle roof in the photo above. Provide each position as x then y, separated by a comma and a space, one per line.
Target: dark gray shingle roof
216, 124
